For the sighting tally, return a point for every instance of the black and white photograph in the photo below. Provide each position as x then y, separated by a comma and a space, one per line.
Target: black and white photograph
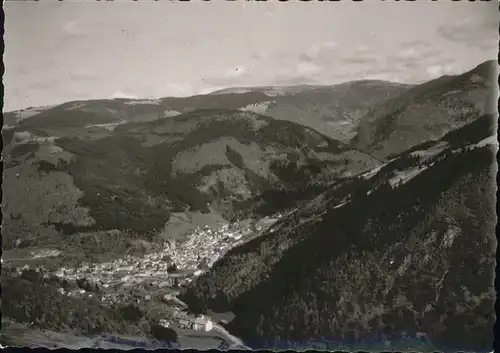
248, 175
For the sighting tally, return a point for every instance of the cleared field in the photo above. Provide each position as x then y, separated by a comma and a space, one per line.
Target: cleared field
199, 340
16, 335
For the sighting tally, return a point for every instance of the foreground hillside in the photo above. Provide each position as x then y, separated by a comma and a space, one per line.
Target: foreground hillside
36, 313
428, 111
132, 178
403, 252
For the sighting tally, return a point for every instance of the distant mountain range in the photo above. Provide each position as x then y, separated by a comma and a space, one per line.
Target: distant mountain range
332, 110
378, 117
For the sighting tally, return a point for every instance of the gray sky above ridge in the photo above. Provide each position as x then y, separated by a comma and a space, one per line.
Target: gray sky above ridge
74, 50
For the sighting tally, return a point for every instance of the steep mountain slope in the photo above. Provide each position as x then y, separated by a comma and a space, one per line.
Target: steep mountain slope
131, 179
428, 111
405, 251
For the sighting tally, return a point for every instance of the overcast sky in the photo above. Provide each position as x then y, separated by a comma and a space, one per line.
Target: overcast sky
61, 51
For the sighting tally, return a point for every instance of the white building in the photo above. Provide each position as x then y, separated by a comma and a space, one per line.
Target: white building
201, 323
164, 323
183, 323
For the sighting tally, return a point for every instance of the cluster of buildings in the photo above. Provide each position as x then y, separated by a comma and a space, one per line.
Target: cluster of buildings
207, 244
118, 280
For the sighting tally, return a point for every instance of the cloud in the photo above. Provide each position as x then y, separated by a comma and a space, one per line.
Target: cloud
409, 53
119, 94
292, 79
414, 55
232, 76
439, 70
415, 44
410, 61
317, 51
73, 30
277, 67
292, 71
83, 75
360, 60
321, 63
307, 68
177, 89
382, 76
328, 55
481, 33
238, 71
405, 62
150, 91
259, 55
170, 89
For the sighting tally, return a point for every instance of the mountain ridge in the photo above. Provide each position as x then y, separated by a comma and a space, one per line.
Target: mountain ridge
318, 107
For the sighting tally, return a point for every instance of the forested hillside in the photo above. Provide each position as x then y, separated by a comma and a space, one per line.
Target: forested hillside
347, 266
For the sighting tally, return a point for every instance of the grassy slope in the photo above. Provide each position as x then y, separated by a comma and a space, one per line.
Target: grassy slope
341, 285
